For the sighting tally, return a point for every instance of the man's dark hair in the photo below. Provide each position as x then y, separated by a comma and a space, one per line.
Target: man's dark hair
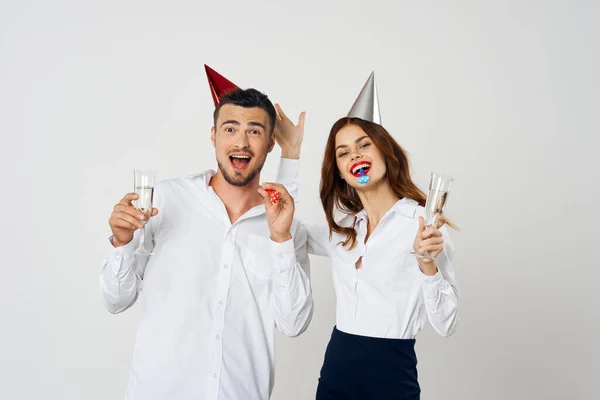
248, 98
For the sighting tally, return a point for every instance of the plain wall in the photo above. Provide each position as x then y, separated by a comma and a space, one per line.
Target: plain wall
501, 94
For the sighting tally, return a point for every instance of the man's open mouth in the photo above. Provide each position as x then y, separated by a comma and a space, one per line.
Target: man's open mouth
240, 161
365, 166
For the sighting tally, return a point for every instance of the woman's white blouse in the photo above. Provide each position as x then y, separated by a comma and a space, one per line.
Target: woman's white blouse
389, 297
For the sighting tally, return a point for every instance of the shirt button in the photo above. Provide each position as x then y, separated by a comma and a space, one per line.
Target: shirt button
218, 337
280, 255
221, 302
225, 266
214, 375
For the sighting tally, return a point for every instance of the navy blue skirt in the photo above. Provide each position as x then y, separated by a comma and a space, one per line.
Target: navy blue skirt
362, 367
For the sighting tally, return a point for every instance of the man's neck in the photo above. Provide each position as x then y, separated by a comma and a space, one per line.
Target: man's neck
237, 199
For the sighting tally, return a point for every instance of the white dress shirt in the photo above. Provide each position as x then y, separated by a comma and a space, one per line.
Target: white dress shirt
389, 297
211, 296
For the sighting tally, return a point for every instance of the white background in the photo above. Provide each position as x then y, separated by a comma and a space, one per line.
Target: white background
503, 95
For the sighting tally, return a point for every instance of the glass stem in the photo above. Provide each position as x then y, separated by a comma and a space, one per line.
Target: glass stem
142, 238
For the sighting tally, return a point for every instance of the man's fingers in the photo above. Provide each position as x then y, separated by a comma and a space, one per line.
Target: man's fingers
126, 221
129, 219
273, 186
265, 195
283, 193
129, 197
301, 120
135, 213
280, 112
275, 195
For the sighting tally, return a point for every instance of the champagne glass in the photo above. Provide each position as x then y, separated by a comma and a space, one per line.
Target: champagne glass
143, 182
439, 187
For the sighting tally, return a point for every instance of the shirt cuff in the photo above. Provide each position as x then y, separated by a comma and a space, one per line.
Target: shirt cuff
433, 279
120, 253
431, 284
285, 255
288, 170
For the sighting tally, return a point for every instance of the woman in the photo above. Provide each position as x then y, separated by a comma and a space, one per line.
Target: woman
384, 293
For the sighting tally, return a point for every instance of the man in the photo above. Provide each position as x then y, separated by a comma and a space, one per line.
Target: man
229, 264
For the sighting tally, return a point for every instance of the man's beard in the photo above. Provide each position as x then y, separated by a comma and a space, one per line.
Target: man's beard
240, 180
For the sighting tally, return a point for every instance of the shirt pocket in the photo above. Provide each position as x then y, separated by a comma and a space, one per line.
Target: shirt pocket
256, 254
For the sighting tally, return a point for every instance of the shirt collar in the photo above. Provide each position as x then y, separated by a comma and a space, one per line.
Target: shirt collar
202, 179
404, 206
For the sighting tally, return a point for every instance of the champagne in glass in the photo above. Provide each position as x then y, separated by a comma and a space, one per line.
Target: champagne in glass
439, 187
144, 201
143, 181
436, 201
